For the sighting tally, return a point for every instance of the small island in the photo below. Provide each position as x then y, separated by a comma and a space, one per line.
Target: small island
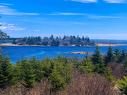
5, 40
82, 52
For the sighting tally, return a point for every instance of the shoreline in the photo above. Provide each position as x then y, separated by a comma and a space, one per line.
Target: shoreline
100, 45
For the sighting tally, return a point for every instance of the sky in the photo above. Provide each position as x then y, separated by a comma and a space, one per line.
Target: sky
98, 19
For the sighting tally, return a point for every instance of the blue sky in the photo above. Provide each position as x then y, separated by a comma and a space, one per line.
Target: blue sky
100, 19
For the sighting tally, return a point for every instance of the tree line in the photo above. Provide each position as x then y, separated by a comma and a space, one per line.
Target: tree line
61, 73
48, 41
55, 41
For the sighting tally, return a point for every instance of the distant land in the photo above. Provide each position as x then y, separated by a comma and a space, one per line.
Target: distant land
5, 40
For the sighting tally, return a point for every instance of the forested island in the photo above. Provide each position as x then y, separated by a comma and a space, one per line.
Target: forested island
55, 41
47, 41
6, 40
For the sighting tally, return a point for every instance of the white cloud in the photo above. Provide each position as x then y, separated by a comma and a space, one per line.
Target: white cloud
67, 14
94, 1
104, 17
115, 1
6, 10
6, 4
10, 27
89, 16
85, 1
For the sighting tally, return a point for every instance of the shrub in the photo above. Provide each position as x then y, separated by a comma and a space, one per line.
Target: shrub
122, 85
27, 75
6, 74
86, 66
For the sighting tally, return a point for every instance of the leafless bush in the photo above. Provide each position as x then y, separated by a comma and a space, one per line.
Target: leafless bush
42, 88
90, 85
82, 84
117, 70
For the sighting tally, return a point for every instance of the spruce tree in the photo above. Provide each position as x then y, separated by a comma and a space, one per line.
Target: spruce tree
6, 74
117, 54
27, 74
123, 56
109, 57
57, 80
97, 59
86, 66
38, 69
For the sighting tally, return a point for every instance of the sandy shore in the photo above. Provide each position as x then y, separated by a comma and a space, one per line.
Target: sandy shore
111, 44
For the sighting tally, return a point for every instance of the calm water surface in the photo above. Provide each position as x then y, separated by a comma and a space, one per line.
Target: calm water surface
20, 52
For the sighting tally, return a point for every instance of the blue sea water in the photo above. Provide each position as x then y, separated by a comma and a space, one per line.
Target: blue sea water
20, 52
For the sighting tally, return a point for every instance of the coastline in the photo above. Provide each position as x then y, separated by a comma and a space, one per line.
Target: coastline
99, 44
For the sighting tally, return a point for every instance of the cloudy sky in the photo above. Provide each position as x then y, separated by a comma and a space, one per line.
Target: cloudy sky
100, 19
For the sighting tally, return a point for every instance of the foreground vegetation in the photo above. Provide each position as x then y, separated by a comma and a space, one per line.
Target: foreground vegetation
94, 75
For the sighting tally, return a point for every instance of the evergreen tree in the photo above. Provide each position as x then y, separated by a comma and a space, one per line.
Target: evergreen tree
108, 74
6, 74
109, 57
117, 54
27, 73
86, 66
47, 67
38, 69
123, 56
57, 80
97, 59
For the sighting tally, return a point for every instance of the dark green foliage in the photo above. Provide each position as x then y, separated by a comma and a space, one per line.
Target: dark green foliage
16, 74
38, 69
47, 67
122, 85
27, 75
63, 66
57, 80
125, 65
108, 74
29, 41
123, 57
58, 71
6, 74
55, 41
86, 66
100, 68
61, 73
97, 57
117, 54
110, 56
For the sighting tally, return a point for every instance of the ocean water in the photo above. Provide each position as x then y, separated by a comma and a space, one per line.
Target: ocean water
20, 52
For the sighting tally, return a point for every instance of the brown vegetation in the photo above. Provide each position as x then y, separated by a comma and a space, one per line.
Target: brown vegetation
82, 84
